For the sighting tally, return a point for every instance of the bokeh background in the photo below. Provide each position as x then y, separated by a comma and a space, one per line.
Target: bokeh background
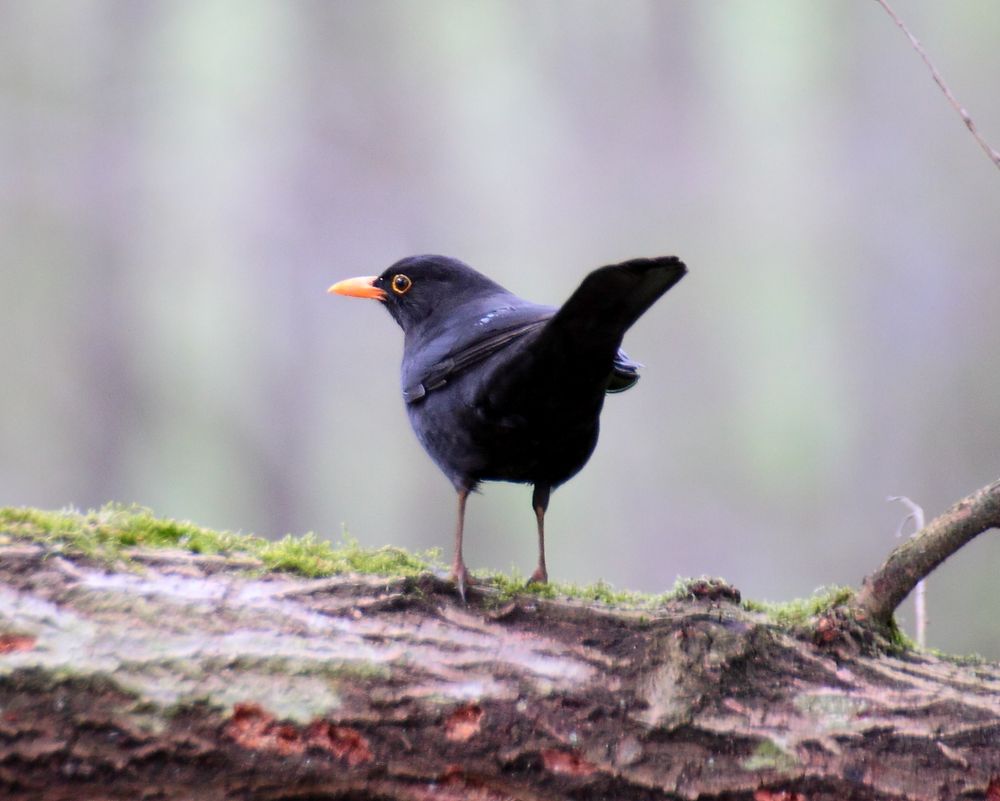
180, 182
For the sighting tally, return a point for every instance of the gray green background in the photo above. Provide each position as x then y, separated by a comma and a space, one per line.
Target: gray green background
181, 181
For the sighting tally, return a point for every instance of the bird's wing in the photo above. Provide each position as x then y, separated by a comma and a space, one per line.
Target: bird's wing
578, 350
485, 342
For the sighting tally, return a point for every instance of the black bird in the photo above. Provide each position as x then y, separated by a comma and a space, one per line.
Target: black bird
501, 389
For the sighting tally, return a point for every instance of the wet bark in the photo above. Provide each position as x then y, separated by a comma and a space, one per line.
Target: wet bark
194, 678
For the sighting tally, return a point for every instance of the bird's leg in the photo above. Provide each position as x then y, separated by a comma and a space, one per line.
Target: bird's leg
458, 570
540, 502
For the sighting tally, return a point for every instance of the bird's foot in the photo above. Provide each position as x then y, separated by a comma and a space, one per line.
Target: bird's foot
462, 578
540, 576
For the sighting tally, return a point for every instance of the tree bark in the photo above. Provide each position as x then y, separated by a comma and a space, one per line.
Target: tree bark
196, 678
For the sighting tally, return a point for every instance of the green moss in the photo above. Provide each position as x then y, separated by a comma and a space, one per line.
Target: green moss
962, 660
311, 556
769, 755
106, 533
515, 585
899, 640
797, 613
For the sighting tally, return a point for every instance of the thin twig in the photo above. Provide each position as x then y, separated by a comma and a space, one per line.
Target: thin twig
919, 593
939, 80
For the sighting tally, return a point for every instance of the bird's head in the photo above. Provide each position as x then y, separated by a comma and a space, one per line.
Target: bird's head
418, 287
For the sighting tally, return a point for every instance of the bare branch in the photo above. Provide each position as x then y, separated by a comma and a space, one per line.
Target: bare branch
888, 586
939, 80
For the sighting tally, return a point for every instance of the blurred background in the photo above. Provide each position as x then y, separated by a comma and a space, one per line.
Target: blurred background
181, 181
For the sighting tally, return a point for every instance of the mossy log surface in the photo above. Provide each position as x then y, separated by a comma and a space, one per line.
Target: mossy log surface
173, 675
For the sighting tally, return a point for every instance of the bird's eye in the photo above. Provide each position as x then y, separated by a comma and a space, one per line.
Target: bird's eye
401, 284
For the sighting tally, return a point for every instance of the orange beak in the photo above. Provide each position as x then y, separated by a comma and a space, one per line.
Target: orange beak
359, 288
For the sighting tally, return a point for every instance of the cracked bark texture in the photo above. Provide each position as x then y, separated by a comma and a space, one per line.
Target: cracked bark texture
192, 678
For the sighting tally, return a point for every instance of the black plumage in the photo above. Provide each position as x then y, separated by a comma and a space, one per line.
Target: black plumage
501, 389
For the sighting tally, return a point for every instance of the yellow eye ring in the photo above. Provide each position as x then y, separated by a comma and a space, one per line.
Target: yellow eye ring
401, 284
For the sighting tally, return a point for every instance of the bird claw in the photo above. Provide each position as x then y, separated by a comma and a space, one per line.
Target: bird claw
540, 576
462, 580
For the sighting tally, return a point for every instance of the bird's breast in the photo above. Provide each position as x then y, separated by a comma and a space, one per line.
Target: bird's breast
523, 439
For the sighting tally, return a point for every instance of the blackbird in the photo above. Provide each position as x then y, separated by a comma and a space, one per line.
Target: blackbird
501, 389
